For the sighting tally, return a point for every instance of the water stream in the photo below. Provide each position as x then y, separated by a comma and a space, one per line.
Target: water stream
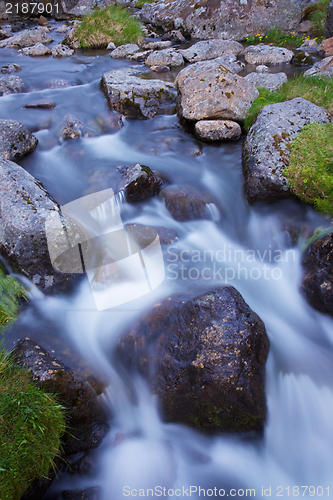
295, 455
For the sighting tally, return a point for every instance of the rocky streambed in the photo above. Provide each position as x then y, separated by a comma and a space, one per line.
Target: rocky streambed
162, 126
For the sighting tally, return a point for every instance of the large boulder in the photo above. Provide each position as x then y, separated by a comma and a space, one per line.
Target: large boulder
26, 38
267, 54
271, 81
267, 146
329, 21
86, 422
205, 359
211, 49
210, 90
321, 68
225, 19
137, 97
317, 283
15, 140
24, 207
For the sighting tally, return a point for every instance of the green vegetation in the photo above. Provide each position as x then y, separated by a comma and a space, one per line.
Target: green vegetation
10, 294
313, 88
112, 24
31, 425
310, 169
140, 3
277, 37
317, 13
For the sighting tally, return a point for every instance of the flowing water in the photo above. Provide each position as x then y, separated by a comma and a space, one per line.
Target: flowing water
248, 247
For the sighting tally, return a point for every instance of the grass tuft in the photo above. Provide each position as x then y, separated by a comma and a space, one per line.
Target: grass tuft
31, 425
111, 24
317, 14
140, 3
315, 89
278, 38
310, 169
10, 294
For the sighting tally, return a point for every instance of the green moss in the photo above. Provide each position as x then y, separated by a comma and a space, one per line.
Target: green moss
31, 425
10, 294
112, 24
317, 14
316, 89
140, 3
310, 169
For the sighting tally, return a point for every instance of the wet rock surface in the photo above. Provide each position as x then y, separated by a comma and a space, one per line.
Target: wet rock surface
211, 49
218, 130
10, 84
8, 69
185, 204
41, 104
166, 57
205, 359
138, 182
86, 421
15, 140
266, 149
266, 54
272, 81
61, 50
25, 205
211, 90
136, 97
206, 19
317, 282
37, 50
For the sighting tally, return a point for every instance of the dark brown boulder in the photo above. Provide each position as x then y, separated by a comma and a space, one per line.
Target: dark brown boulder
317, 283
138, 182
86, 421
185, 203
205, 359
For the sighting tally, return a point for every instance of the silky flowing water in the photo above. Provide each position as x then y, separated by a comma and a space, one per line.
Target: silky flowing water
248, 247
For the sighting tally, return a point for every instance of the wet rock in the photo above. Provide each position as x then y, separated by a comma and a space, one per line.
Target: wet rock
218, 130
157, 45
145, 234
61, 50
317, 283
205, 359
64, 28
329, 21
70, 133
138, 182
210, 90
94, 493
225, 19
81, 467
303, 58
271, 81
211, 49
8, 69
10, 84
42, 21
25, 205
267, 54
160, 69
309, 46
261, 68
37, 50
166, 57
140, 56
15, 140
125, 50
58, 83
326, 47
137, 97
26, 38
86, 421
185, 204
42, 104
321, 68
267, 147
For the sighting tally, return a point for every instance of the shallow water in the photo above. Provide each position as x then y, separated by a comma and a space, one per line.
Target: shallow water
296, 450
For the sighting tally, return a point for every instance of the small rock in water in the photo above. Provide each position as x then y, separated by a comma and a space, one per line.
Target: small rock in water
185, 203
124, 50
111, 46
271, 81
63, 29
70, 133
267, 54
211, 49
156, 45
139, 56
15, 140
37, 50
166, 57
218, 130
261, 68
145, 234
42, 21
10, 68
58, 83
303, 58
10, 84
138, 182
61, 50
40, 105
310, 46
160, 69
